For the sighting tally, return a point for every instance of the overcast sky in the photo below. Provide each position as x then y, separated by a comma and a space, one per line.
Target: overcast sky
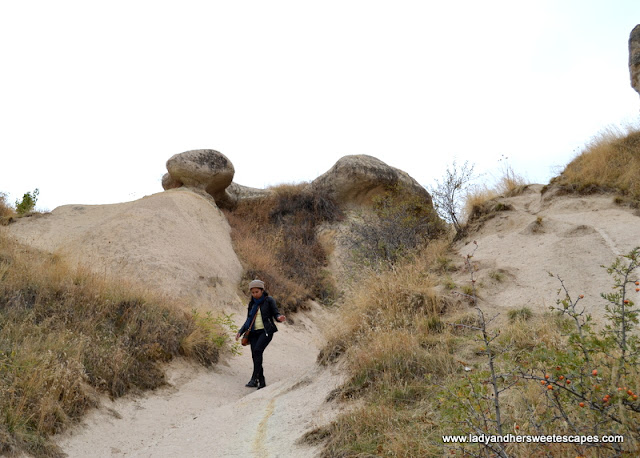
96, 96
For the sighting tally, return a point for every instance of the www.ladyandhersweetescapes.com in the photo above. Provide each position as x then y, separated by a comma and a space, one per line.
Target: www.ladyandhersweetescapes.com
531, 439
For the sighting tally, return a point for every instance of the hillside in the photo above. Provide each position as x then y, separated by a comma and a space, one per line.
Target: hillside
178, 242
567, 235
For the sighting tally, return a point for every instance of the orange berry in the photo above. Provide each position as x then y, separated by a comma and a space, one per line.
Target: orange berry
549, 387
637, 290
561, 377
568, 382
637, 283
594, 372
547, 376
542, 382
517, 427
635, 397
581, 404
619, 389
582, 296
558, 368
630, 393
626, 301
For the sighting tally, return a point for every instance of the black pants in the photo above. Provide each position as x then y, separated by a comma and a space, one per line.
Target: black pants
259, 341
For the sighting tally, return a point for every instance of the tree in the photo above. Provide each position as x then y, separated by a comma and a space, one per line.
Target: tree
447, 195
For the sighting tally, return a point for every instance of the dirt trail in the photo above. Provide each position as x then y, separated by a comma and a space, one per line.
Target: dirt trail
210, 413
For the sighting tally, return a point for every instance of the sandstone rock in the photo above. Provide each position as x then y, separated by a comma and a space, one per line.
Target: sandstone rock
204, 169
168, 182
634, 58
357, 179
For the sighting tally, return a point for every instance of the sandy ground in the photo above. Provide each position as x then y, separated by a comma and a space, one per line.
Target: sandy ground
574, 237
178, 242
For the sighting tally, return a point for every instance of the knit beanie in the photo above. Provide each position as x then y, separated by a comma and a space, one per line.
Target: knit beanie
256, 284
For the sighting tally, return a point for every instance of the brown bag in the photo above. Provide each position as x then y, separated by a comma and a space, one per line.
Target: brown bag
245, 336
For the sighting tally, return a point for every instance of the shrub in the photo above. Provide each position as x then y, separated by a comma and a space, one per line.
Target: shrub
448, 194
583, 384
396, 226
28, 202
277, 238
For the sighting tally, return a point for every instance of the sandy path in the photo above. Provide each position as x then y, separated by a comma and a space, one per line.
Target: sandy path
177, 242
211, 413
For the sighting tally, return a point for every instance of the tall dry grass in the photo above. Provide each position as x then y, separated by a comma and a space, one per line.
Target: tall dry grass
392, 338
66, 334
7, 212
277, 239
609, 162
404, 341
479, 199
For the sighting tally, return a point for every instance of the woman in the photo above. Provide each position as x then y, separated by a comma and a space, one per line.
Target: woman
262, 310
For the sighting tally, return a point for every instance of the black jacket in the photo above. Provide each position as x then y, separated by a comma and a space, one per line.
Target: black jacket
269, 312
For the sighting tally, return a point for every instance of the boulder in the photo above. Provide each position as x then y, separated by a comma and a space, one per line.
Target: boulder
203, 169
237, 193
634, 58
357, 179
168, 182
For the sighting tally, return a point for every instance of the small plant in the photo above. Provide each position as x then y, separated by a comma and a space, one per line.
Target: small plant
28, 203
522, 313
497, 275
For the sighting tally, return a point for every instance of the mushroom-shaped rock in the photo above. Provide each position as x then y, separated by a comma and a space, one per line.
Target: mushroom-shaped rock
634, 58
357, 179
168, 182
204, 169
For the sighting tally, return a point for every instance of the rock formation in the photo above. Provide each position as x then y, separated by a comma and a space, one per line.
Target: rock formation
634, 58
353, 180
204, 169
356, 179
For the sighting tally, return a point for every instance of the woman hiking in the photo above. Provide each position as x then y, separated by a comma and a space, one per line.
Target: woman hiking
261, 313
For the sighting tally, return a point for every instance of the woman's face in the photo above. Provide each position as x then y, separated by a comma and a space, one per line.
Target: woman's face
256, 293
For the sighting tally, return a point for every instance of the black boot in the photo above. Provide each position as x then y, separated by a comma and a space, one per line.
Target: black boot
261, 383
252, 383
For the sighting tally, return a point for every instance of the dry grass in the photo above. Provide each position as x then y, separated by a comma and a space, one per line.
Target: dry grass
407, 349
67, 334
7, 213
482, 200
609, 162
394, 343
277, 239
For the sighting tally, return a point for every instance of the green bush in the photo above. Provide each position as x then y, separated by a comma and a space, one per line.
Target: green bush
28, 202
583, 384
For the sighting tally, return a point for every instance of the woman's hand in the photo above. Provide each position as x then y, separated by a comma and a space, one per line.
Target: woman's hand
282, 318
237, 336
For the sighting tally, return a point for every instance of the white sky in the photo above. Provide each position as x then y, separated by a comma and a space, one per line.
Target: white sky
96, 96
